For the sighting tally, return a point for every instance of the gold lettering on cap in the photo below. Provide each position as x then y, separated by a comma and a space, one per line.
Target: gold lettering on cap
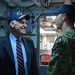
19, 13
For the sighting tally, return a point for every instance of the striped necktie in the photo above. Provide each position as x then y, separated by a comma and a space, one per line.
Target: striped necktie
21, 70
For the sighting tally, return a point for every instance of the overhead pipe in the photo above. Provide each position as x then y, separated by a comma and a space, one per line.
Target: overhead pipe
68, 2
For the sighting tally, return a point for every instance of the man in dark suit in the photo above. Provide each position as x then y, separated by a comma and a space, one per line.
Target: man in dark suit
8, 54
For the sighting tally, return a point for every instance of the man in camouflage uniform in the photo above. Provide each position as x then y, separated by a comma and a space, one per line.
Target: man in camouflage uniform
63, 52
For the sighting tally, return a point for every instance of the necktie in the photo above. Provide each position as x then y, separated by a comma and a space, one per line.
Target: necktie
20, 60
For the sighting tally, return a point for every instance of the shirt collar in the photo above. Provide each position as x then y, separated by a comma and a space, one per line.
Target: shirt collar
12, 37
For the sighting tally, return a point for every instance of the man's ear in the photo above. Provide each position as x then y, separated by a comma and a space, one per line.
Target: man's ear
64, 16
12, 24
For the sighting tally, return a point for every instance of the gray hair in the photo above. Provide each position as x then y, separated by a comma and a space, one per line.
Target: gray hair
14, 21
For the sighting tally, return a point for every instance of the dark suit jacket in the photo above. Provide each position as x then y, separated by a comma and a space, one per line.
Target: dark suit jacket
7, 65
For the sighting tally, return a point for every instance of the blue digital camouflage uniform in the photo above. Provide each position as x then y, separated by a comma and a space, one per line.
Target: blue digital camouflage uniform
63, 54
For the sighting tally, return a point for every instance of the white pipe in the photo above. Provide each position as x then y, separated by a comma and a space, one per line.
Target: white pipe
68, 2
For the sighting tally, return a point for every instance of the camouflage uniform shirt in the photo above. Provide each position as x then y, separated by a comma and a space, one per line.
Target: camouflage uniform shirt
63, 54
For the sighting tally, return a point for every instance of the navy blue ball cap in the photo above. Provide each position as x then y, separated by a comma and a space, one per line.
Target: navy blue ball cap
64, 9
17, 15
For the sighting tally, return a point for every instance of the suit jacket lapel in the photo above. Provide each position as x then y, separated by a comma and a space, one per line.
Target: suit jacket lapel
8, 48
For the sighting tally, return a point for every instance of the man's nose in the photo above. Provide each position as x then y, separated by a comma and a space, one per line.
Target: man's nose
25, 25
